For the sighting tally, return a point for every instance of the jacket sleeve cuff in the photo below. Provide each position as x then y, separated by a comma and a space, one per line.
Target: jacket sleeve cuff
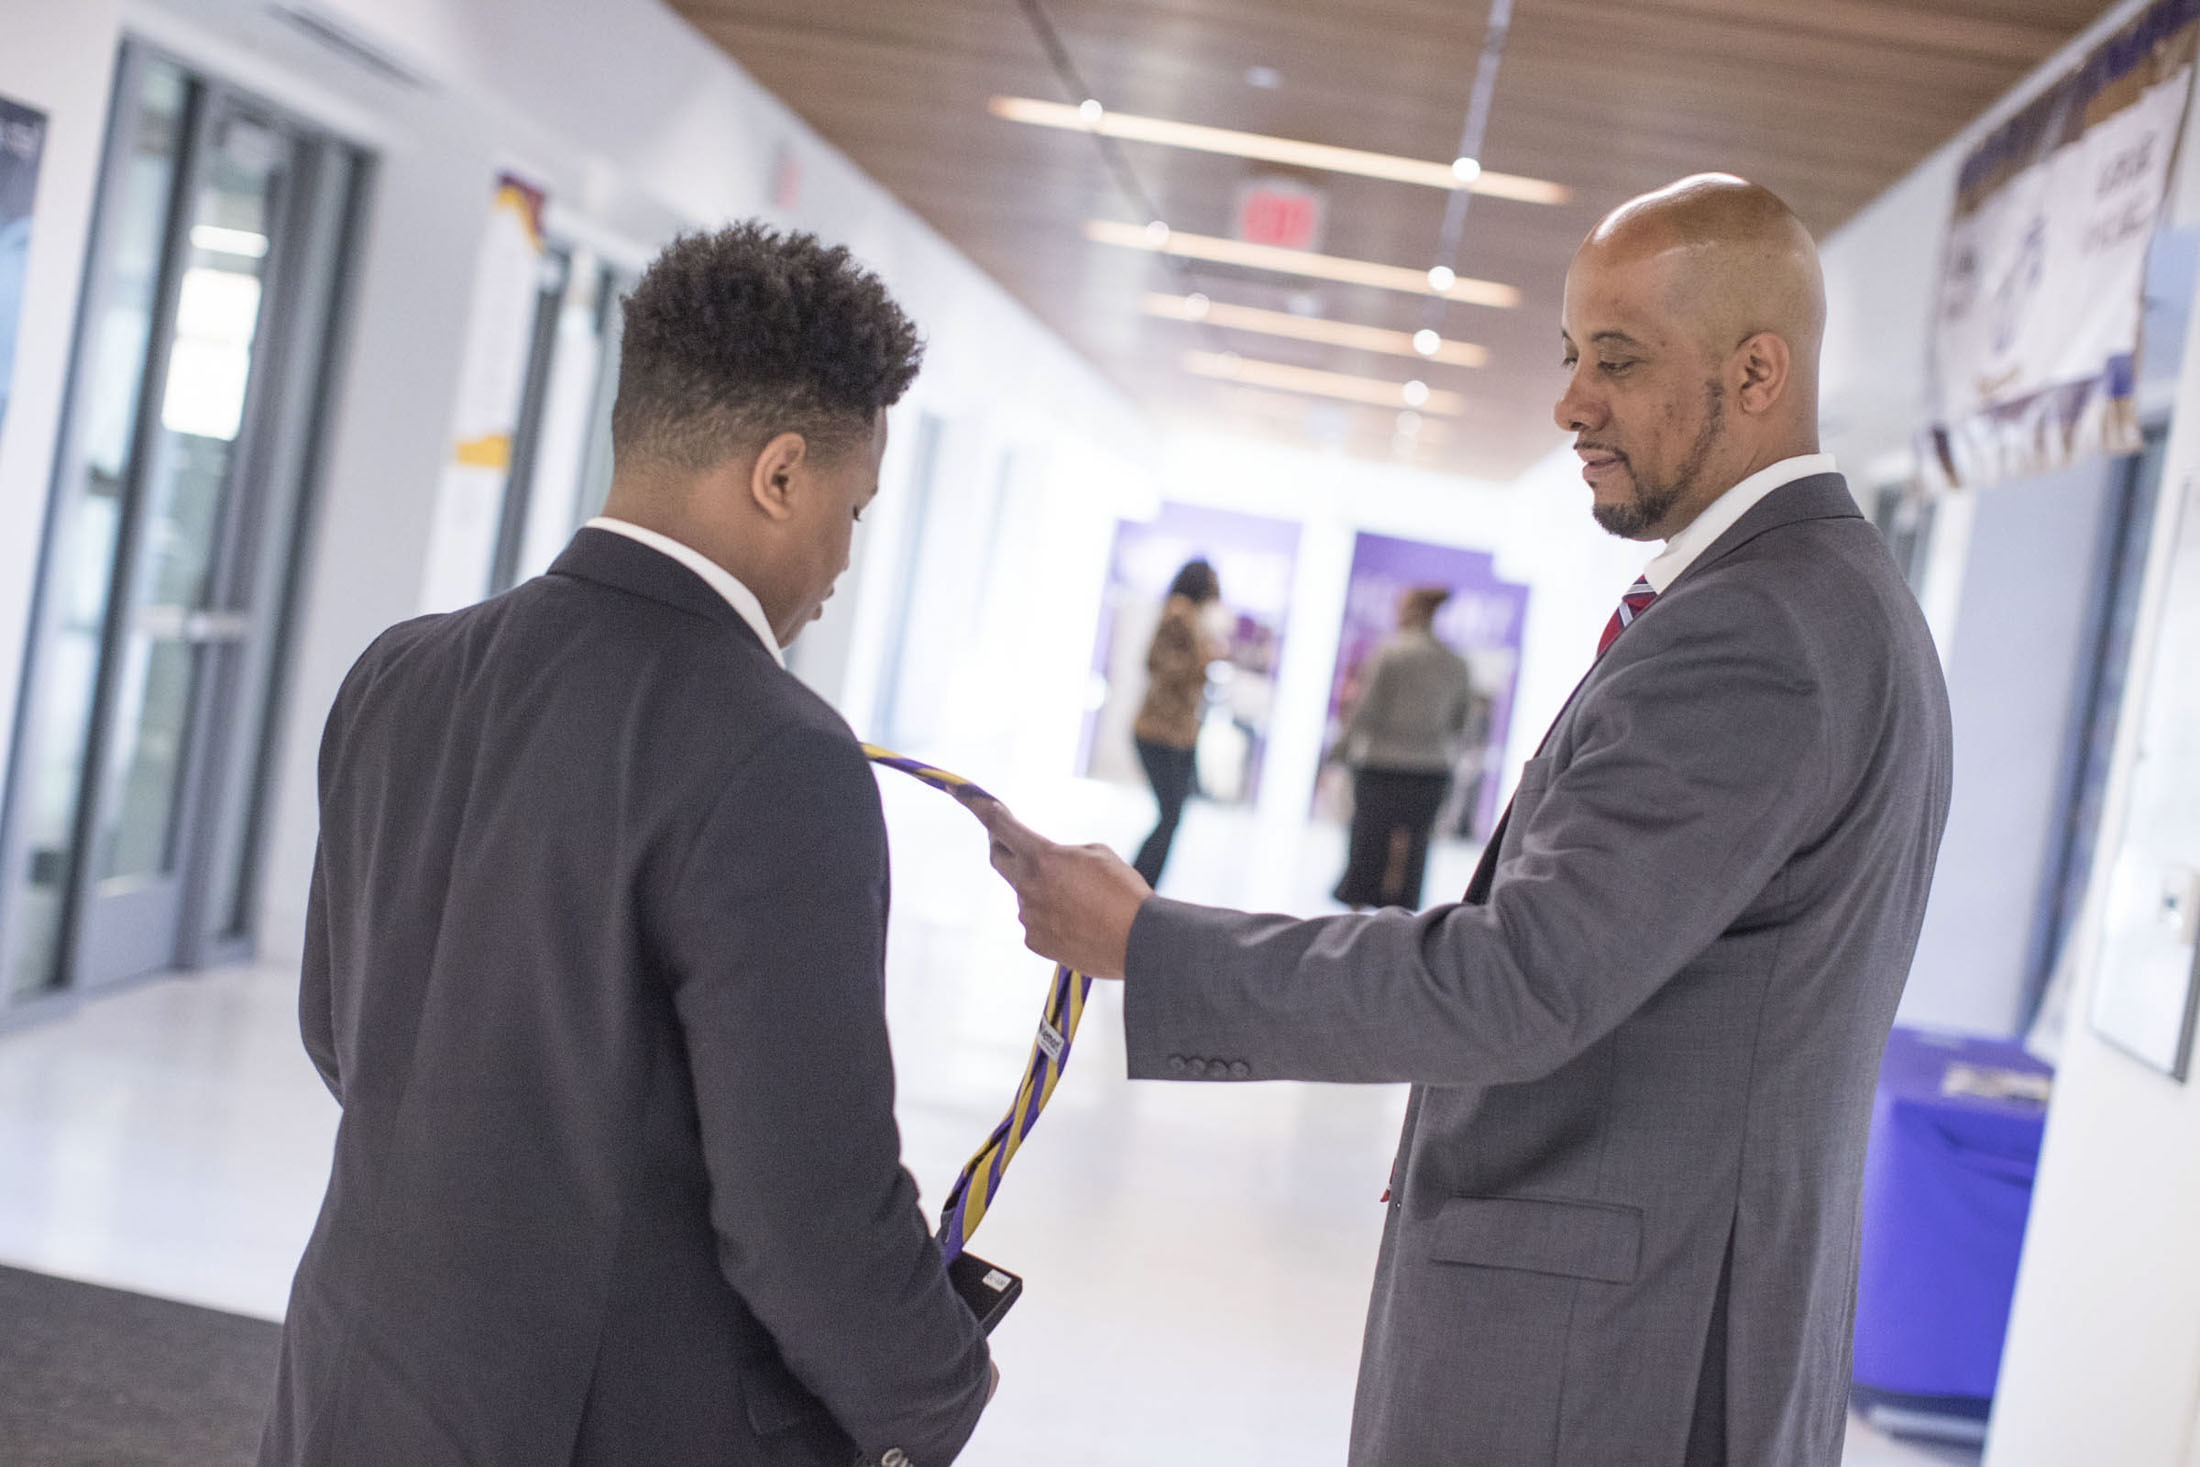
1170, 1028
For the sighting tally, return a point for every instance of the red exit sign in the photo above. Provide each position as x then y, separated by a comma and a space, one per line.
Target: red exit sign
1280, 212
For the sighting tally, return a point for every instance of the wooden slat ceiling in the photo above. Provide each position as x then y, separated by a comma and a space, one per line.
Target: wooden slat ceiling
1825, 101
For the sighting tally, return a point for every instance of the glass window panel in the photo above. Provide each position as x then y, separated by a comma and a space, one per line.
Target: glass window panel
187, 492
87, 515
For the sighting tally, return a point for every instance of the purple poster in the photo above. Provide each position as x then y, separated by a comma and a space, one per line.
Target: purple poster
1254, 559
1481, 622
22, 139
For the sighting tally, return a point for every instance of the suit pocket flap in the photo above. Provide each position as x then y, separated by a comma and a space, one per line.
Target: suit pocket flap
1581, 1240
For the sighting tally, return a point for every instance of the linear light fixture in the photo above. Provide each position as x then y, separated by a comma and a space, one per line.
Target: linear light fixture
1313, 328
1375, 391
1287, 411
1161, 239
1456, 173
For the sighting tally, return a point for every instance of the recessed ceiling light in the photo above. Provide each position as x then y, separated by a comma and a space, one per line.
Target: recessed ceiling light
1089, 112
1427, 342
1230, 367
1299, 262
1466, 170
1289, 151
1348, 334
1441, 278
1415, 393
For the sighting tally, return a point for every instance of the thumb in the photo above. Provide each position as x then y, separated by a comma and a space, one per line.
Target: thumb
1012, 839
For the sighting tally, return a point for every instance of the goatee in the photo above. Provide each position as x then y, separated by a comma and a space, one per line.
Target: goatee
1648, 507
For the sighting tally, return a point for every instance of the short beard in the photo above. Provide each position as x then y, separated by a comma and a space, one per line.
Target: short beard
1639, 516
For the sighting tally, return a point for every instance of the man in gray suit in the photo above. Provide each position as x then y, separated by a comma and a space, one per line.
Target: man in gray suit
1623, 1216
594, 961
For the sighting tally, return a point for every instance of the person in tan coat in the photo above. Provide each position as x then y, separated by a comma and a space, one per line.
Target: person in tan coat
1167, 726
1401, 741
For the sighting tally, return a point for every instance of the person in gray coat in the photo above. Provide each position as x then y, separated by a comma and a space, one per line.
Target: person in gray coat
1623, 1215
594, 961
1401, 742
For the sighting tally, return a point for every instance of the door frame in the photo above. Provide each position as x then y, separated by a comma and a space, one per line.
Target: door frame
273, 598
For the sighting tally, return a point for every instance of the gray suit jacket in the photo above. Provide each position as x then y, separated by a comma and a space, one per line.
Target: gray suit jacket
594, 968
1624, 1210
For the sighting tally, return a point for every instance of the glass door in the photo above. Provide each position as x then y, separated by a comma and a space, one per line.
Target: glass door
176, 519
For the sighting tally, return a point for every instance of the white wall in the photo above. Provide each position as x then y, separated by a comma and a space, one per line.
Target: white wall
2103, 1357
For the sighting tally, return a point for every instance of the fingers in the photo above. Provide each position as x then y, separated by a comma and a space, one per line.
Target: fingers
1012, 839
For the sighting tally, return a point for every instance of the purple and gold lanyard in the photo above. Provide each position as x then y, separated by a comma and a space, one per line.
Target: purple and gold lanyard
981, 1175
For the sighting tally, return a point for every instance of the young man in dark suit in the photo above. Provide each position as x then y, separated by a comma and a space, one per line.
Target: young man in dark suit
595, 956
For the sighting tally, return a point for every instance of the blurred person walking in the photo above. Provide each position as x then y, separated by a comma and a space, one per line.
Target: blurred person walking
1401, 743
1167, 727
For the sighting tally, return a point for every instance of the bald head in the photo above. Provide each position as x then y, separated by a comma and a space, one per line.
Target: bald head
1693, 321
1735, 259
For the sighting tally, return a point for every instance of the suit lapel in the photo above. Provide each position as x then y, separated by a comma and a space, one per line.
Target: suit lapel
1818, 497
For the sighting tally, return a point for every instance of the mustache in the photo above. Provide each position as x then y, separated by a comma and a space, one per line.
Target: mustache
1584, 446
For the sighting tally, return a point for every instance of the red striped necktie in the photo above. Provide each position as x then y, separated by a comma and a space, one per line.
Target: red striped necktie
1633, 604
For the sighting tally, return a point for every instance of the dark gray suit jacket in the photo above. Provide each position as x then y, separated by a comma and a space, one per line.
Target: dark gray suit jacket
1624, 1215
594, 968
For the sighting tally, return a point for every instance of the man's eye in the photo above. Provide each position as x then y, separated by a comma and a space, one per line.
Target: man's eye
1568, 362
1615, 369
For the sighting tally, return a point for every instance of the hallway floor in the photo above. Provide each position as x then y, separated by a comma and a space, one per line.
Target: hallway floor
1196, 1258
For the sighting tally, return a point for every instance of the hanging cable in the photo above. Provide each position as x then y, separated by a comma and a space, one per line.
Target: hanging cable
1467, 162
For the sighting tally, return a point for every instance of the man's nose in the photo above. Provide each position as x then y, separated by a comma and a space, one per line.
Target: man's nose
1576, 410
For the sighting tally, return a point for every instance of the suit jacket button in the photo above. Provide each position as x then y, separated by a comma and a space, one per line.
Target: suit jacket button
1196, 1066
1239, 1069
893, 1457
1176, 1064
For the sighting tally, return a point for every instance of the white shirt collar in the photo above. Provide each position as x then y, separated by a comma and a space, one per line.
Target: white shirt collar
1719, 516
714, 575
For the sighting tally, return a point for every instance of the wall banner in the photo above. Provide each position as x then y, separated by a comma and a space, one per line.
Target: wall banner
1256, 559
2037, 332
1483, 622
22, 140
493, 377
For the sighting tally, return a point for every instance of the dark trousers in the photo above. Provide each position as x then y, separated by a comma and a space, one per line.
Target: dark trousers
1169, 771
1392, 815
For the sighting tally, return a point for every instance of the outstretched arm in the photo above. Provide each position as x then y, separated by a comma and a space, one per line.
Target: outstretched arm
1696, 769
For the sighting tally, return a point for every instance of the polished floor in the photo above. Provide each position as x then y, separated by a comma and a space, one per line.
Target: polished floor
1196, 1257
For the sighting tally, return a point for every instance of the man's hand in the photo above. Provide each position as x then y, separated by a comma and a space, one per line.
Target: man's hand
1077, 903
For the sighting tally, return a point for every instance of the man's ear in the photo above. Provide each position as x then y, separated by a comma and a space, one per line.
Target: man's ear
1761, 368
771, 481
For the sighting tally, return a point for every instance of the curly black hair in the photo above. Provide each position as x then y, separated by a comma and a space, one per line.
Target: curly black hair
737, 336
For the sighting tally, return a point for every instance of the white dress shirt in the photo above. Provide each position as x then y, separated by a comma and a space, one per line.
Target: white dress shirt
714, 575
1719, 516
